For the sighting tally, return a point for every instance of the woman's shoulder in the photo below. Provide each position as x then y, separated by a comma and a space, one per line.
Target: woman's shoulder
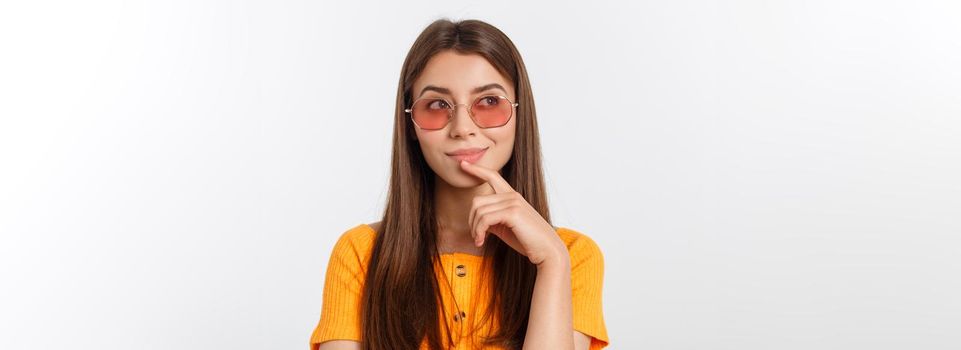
359, 239
578, 243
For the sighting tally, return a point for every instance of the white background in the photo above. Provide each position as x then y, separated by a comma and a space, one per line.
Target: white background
758, 174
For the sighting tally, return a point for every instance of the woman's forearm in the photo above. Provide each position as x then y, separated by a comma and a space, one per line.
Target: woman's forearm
551, 320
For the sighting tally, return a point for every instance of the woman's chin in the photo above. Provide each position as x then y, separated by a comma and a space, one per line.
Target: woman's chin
462, 180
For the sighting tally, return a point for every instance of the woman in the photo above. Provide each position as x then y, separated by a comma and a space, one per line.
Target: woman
465, 256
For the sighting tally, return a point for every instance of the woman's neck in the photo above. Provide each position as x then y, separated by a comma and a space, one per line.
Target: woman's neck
452, 208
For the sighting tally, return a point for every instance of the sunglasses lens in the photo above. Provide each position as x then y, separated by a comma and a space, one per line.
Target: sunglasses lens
491, 111
431, 114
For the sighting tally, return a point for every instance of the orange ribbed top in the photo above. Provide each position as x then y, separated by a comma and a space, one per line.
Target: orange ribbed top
347, 269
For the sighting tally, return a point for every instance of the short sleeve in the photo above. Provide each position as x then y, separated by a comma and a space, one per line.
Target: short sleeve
587, 280
343, 285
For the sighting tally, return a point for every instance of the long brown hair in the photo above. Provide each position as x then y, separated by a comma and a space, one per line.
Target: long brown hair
401, 298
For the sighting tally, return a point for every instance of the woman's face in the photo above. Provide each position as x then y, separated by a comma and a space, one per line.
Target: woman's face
455, 77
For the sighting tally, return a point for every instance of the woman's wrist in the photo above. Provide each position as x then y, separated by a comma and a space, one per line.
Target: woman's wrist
560, 259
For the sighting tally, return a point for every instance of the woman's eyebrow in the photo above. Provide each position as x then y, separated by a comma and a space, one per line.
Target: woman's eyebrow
447, 91
488, 87
427, 88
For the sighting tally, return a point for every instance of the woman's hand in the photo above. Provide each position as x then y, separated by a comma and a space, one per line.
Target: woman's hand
508, 215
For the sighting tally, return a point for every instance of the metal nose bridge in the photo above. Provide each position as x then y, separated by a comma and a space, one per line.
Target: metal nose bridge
453, 110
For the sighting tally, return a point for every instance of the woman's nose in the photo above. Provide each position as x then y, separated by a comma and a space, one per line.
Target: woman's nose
461, 122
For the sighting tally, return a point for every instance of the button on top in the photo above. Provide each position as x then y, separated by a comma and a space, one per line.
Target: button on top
461, 271
461, 316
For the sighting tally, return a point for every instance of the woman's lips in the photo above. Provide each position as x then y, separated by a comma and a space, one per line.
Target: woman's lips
471, 157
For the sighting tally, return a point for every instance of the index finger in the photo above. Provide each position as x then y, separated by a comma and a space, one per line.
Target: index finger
492, 177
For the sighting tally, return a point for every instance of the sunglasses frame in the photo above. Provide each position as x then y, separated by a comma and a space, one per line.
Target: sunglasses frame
453, 108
